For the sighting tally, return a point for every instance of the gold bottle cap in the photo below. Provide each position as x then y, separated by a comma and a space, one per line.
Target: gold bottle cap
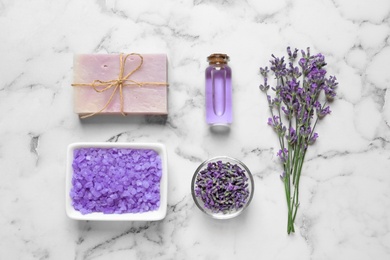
218, 58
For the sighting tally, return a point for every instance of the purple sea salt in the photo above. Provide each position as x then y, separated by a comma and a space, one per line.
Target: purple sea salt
116, 180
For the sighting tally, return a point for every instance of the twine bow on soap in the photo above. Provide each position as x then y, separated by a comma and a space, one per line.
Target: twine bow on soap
118, 84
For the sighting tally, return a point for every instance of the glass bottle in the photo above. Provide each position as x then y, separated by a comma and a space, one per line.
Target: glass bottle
218, 91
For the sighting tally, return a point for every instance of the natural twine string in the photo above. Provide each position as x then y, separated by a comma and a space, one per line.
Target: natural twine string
118, 83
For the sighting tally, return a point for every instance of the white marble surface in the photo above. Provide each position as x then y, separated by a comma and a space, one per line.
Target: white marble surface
345, 198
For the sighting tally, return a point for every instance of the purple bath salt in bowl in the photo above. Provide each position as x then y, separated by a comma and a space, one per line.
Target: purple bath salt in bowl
115, 180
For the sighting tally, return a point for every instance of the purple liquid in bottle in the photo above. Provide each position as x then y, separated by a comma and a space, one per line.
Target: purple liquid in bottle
218, 91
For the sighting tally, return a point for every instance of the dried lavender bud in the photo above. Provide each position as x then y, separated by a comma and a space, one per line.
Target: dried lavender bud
223, 187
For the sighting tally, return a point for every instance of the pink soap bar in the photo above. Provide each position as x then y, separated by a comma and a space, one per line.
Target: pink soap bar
148, 99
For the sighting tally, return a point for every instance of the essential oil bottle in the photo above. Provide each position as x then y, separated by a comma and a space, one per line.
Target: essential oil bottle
218, 92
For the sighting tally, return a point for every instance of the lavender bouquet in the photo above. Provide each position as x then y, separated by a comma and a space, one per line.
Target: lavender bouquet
299, 100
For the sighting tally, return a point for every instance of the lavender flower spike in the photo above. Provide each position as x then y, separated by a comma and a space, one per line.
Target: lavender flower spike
297, 102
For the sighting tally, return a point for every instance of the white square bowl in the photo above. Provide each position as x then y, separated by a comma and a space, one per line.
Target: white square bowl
155, 215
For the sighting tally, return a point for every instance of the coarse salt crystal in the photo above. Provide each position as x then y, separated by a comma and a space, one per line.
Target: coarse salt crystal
115, 180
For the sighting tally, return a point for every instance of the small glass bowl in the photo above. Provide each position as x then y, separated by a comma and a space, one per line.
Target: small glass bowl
220, 215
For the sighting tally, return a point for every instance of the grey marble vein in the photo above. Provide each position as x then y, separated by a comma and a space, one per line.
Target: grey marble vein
344, 207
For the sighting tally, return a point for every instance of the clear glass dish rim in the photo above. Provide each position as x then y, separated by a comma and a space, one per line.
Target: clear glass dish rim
222, 158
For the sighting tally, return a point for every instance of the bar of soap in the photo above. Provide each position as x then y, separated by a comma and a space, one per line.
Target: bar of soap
148, 99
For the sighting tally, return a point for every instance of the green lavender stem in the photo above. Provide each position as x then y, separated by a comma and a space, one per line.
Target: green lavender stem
295, 200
